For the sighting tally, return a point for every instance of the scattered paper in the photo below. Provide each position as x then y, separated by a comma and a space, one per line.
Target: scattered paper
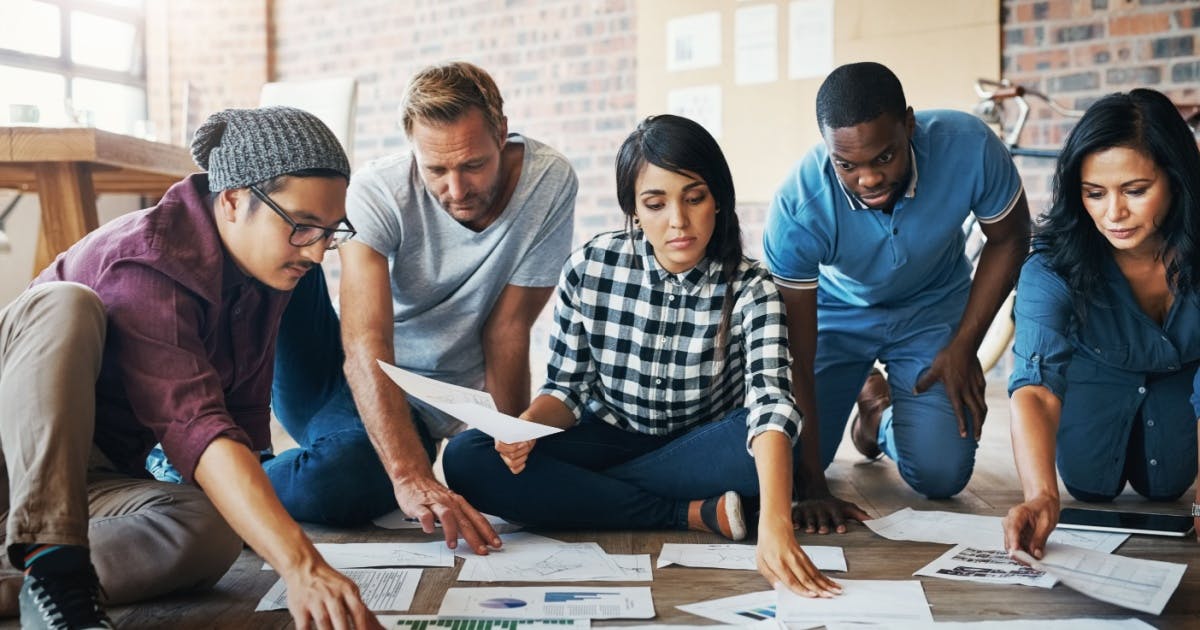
1142, 585
383, 555
767, 624
873, 601
990, 566
381, 589
974, 530
511, 541
737, 610
471, 406
1015, 624
634, 568
432, 622
509, 602
701, 103
397, 519
729, 556
755, 44
557, 562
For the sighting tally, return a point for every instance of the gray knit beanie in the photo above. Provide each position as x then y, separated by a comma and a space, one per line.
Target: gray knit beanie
239, 147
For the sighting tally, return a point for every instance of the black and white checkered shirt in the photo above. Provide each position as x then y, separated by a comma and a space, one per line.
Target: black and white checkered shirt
636, 344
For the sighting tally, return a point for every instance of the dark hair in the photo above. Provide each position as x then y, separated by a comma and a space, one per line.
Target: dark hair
857, 93
682, 146
275, 183
1146, 121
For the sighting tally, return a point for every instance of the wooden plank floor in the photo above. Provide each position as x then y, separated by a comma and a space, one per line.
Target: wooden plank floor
876, 487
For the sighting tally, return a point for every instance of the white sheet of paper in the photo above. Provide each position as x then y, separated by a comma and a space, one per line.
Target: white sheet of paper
381, 589
768, 624
397, 519
532, 602
384, 555
1142, 585
974, 530
473, 407
556, 562
432, 622
1014, 624
634, 568
701, 103
870, 601
730, 556
810, 38
737, 610
755, 45
511, 541
989, 566
694, 41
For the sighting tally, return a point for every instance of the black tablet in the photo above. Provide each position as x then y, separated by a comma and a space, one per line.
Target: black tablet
1127, 522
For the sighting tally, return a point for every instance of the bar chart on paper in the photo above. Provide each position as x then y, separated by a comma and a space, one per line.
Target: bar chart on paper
430, 622
548, 603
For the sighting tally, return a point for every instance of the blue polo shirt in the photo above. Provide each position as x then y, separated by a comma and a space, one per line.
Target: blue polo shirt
817, 232
1116, 367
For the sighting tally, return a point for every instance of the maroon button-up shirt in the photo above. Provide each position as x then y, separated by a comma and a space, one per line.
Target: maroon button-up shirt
189, 355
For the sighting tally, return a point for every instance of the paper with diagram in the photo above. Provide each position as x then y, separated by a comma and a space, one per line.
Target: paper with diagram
873, 601
397, 519
730, 556
531, 602
975, 530
1008, 624
1143, 585
511, 541
381, 589
432, 622
990, 566
737, 610
634, 568
473, 407
382, 555
557, 562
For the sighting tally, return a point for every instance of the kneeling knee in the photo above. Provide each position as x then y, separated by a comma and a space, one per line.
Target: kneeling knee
937, 482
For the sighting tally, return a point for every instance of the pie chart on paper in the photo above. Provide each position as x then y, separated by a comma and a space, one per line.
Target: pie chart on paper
503, 602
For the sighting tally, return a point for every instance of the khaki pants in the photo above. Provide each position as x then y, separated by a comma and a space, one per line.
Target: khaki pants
147, 538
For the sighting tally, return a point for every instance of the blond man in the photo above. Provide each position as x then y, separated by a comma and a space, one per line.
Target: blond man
459, 244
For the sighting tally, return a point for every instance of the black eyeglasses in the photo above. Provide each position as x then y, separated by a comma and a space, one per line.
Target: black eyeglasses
305, 234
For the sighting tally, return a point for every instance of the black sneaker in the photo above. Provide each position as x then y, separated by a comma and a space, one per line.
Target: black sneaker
69, 601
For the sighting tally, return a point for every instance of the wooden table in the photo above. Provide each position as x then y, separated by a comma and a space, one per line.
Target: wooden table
67, 167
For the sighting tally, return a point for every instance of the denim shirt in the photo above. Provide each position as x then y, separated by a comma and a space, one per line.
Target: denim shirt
1118, 367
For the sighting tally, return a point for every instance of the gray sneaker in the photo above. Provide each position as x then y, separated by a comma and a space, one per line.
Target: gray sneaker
63, 602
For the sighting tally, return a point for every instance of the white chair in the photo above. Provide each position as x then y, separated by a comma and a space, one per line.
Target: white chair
334, 101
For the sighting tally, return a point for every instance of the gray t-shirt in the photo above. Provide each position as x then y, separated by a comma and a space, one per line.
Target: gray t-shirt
445, 277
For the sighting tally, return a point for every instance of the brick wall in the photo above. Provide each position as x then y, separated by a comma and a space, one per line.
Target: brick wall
1078, 50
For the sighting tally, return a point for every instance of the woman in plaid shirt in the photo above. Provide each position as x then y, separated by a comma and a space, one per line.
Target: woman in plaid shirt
670, 374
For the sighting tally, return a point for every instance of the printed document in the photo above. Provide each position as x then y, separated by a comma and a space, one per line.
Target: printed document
874, 601
432, 622
1013, 624
990, 566
556, 562
737, 610
729, 556
381, 589
383, 555
1143, 585
974, 530
531, 602
397, 519
475, 408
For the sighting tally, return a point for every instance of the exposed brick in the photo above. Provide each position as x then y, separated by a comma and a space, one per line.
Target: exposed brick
1188, 72
1142, 76
1140, 24
1078, 33
1099, 5
1181, 46
1075, 82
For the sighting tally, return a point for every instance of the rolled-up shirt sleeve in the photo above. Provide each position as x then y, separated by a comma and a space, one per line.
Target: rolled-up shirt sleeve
1043, 312
768, 375
155, 345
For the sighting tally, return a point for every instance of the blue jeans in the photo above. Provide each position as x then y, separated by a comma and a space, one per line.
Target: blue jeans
596, 476
335, 476
918, 431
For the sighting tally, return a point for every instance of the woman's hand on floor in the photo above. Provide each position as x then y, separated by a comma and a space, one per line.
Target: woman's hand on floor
515, 454
1028, 525
781, 560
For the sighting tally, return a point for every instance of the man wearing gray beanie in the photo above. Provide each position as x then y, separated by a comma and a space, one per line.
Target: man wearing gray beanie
160, 327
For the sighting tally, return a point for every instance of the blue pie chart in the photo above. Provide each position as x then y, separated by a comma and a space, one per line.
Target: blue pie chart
502, 602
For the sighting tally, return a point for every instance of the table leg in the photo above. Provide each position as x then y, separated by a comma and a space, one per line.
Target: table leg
68, 208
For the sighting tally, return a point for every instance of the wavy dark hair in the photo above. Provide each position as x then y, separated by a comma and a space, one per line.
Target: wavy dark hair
681, 145
1146, 121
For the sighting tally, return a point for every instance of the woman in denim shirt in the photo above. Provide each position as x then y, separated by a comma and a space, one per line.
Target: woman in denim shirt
1108, 319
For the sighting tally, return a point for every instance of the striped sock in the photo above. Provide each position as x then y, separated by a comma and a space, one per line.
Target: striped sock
35, 552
